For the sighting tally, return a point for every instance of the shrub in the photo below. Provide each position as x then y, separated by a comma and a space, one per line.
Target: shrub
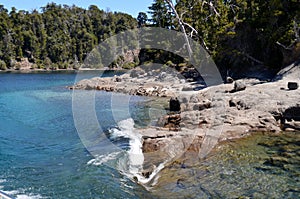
136, 59
18, 66
34, 66
129, 65
2, 65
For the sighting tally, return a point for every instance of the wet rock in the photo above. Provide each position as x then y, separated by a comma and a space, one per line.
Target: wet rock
260, 108
151, 145
276, 161
171, 121
292, 113
180, 184
147, 172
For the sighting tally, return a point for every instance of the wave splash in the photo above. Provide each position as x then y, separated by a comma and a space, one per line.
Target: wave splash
129, 162
19, 195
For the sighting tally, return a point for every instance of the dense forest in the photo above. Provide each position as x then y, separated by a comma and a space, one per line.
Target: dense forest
237, 33
58, 37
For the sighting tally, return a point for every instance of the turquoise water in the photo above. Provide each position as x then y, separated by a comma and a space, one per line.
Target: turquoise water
41, 155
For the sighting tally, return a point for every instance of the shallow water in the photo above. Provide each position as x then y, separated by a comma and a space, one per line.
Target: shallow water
259, 166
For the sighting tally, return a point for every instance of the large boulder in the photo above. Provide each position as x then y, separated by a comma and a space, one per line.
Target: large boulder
174, 105
292, 85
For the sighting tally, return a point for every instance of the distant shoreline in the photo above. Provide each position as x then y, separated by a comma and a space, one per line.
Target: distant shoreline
57, 70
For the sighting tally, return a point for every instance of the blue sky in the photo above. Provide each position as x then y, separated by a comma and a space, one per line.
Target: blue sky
132, 7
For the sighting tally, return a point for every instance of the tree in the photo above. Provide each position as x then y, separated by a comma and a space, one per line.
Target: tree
239, 32
2, 65
161, 15
58, 33
142, 19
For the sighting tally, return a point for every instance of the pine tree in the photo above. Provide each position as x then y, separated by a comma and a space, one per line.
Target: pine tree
160, 14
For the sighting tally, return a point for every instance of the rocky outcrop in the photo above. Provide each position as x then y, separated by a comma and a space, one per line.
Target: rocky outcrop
171, 121
210, 115
215, 114
156, 83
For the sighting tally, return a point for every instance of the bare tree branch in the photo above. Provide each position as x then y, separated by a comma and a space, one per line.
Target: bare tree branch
296, 40
296, 30
182, 25
190, 51
290, 47
191, 27
210, 3
253, 59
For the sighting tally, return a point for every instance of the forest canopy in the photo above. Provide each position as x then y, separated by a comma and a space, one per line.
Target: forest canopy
237, 33
58, 36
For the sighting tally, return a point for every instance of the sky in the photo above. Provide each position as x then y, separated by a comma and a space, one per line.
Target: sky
132, 7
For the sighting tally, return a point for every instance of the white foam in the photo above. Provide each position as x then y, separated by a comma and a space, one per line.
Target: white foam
101, 159
135, 154
22, 196
143, 180
131, 162
126, 130
29, 197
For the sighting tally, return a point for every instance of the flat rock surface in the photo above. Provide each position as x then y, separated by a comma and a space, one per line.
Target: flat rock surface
212, 114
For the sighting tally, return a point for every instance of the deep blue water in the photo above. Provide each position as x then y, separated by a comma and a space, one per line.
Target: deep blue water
41, 154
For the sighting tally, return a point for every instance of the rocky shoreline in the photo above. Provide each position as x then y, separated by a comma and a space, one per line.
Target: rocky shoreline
210, 115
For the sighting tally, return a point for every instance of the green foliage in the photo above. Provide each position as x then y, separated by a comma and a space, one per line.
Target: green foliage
58, 34
136, 59
129, 65
17, 66
236, 33
244, 32
160, 14
2, 65
142, 19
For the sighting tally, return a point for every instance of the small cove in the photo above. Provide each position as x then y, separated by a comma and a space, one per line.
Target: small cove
43, 157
